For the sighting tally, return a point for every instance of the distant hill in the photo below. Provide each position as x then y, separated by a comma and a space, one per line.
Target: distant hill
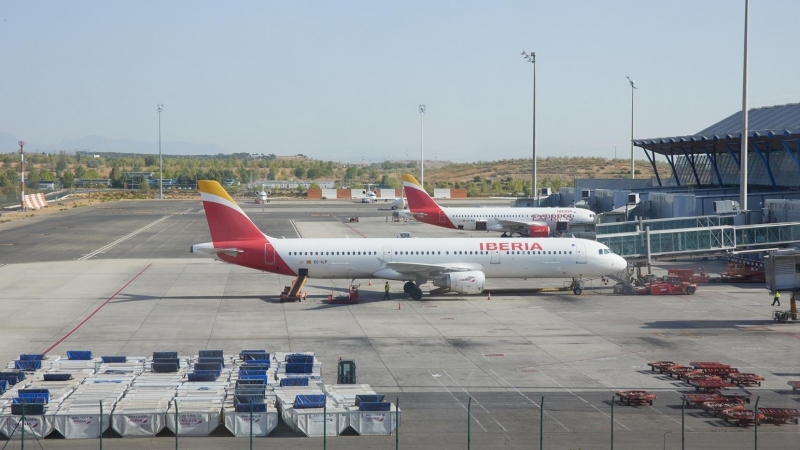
103, 144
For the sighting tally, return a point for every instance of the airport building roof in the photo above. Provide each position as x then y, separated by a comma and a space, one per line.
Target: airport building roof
711, 156
781, 121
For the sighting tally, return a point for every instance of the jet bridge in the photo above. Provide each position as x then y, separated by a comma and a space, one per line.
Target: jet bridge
710, 240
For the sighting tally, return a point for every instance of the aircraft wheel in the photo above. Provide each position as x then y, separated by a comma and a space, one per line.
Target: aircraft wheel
577, 291
416, 294
627, 289
408, 287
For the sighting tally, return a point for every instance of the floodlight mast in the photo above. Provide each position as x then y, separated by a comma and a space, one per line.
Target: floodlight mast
743, 142
422, 109
531, 58
159, 108
633, 87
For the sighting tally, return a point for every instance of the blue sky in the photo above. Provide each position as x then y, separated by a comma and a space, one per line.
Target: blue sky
343, 80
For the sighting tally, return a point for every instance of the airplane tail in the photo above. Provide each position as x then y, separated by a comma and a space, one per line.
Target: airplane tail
418, 199
226, 221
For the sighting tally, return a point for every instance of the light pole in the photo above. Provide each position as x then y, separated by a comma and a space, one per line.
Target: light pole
743, 141
531, 58
422, 109
159, 108
633, 87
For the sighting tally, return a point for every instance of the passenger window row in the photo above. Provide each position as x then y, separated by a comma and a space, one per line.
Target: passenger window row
460, 252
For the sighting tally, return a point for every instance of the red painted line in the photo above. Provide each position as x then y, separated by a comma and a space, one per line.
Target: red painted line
95, 311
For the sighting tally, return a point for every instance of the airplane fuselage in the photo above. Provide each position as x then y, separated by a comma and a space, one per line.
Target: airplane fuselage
367, 258
491, 219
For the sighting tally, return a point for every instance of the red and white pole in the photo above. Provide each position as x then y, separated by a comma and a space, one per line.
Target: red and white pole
22, 174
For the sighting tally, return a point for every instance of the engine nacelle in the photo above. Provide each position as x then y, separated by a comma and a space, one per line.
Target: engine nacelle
462, 282
538, 231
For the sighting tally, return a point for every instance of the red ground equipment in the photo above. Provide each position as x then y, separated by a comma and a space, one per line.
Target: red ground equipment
669, 285
636, 397
690, 276
351, 297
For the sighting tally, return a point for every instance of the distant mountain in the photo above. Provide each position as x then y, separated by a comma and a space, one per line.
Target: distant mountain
8, 143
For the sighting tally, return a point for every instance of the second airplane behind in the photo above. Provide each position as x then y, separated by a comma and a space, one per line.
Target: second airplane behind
531, 222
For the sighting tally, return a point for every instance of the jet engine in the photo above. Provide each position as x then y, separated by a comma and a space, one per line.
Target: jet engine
538, 231
462, 282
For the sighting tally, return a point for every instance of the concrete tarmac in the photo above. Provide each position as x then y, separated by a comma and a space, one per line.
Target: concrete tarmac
117, 278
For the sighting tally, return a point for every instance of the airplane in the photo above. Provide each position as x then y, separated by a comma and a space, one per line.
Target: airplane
457, 264
263, 196
531, 222
371, 196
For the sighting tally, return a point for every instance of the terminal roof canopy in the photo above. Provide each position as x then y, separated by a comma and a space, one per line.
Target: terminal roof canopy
778, 123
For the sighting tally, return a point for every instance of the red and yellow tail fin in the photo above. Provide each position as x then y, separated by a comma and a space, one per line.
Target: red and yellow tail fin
226, 221
418, 199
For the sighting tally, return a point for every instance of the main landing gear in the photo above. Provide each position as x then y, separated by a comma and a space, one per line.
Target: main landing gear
577, 286
413, 290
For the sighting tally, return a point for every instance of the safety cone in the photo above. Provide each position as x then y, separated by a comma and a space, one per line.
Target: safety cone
490, 296
370, 282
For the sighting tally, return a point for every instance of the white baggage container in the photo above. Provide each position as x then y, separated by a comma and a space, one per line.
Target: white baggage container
374, 423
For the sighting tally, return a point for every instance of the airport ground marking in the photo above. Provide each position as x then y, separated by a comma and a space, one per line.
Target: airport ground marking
535, 403
583, 400
296, 230
437, 378
108, 300
122, 239
348, 226
476, 401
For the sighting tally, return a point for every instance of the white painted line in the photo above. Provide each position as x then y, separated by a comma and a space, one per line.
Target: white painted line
584, 400
122, 239
295, 229
436, 377
476, 401
547, 413
188, 210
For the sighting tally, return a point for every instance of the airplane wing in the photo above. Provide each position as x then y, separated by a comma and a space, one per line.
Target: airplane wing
421, 268
517, 225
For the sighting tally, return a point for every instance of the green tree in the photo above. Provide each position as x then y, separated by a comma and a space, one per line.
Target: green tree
92, 173
67, 179
300, 172
80, 172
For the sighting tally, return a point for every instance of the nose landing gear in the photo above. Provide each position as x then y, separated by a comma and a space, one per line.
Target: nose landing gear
577, 286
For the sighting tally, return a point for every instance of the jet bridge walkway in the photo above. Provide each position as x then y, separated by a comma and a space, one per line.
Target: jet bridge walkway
709, 240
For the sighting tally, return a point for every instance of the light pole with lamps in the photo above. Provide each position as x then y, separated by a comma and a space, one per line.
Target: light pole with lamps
531, 58
422, 109
633, 87
159, 108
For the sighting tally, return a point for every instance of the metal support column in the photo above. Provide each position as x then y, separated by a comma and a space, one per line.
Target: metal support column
713, 161
766, 164
734, 156
671, 161
691, 161
791, 155
653, 163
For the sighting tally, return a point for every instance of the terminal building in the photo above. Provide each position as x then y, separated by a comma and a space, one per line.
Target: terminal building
693, 210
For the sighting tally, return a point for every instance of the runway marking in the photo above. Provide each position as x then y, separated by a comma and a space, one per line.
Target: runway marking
584, 400
296, 230
673, 419
348, 226
529, 399
188, 210
476, 402
63, 338
122, 239
436, 377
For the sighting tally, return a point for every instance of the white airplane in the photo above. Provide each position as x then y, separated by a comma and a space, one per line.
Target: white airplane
458, 264
532, 222
263, 196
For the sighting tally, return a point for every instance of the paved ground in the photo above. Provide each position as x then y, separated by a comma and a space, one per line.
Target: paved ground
131, 260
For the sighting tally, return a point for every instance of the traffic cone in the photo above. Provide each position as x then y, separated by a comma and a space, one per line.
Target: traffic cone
370, 282
490, 296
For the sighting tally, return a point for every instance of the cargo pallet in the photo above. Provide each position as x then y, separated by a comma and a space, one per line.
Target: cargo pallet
745, 379
780, 415
636, 397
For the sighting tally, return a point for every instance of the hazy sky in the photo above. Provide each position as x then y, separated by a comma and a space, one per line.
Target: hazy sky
342, 79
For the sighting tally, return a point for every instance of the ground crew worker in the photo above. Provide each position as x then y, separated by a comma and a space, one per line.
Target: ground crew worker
386, 291
776, 298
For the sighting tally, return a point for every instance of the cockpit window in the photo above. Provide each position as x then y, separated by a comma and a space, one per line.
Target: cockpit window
604, 251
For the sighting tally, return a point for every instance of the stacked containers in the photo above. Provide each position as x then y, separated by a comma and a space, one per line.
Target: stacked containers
368, 413
79, 415
28, 392
250, 404
199, 403
311, 412
142, 411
